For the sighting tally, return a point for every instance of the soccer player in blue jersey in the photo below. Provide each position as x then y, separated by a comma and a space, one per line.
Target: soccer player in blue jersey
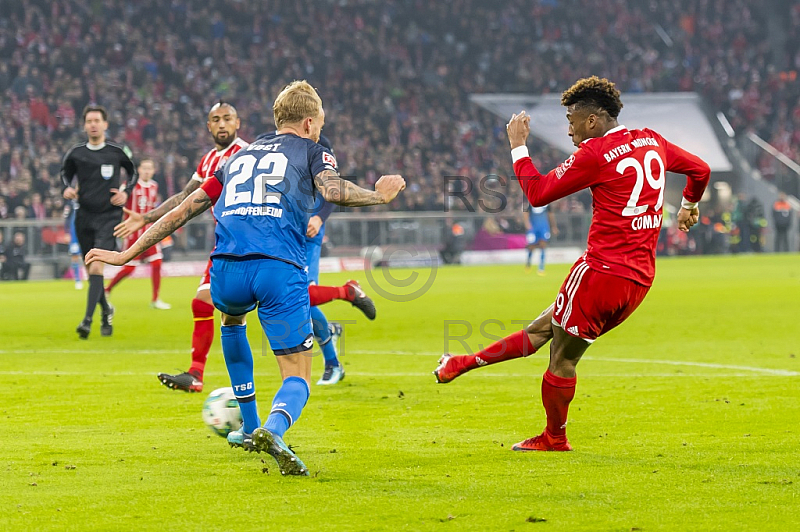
539, 223
264, 198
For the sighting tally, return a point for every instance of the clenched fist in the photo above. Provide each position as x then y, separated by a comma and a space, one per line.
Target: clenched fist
389, 186
518, 129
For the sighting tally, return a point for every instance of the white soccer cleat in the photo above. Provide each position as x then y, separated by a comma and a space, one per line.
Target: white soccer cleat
160, 305
78, 285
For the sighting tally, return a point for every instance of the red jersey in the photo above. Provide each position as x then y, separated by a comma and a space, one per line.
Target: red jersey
214, 159
142, 199
625, 170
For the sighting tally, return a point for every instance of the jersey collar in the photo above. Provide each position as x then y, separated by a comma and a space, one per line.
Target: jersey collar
614, 130
95, 147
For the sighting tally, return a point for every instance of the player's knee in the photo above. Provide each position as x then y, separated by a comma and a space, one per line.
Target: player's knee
95, 268
204, 295
232, 320
296, 365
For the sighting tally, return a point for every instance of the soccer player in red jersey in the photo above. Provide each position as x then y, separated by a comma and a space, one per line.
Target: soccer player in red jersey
223, 124
625, 171
143, 198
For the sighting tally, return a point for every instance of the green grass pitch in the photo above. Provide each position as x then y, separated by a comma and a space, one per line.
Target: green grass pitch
687, 417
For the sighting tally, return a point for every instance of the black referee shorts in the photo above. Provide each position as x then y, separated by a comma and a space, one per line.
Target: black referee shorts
96, 230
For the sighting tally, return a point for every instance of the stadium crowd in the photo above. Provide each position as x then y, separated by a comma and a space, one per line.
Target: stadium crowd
395, 77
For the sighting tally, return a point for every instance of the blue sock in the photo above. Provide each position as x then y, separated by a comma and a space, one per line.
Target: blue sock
76, 271
541, 260
287, 405
239, 360
323, 336
530, 255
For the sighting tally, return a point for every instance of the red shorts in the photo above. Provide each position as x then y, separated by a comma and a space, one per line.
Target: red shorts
591, 303
205, 280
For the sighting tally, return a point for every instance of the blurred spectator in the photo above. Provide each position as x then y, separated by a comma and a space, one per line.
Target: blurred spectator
14, 266
782, 219
395, 76
756, 222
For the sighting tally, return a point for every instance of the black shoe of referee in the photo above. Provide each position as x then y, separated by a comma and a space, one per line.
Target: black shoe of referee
84, 329
106, 328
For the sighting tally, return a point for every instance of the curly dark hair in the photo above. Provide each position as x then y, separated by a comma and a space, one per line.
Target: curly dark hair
595, 94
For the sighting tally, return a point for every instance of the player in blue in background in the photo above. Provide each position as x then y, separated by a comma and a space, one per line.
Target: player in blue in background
74, 247
264, 199
326, 334
539, 223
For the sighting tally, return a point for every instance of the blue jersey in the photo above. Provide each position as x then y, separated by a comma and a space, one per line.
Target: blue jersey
267, 198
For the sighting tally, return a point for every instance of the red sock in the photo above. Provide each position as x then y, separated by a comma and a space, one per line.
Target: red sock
123, 273
155, 276
202, 336
513, 346
319, 295
557, 393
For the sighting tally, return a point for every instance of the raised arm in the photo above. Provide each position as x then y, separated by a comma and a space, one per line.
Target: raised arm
197, 203
342, 192
574, 174
136, 221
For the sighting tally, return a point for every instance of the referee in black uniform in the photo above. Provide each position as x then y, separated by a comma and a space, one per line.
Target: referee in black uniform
95, 165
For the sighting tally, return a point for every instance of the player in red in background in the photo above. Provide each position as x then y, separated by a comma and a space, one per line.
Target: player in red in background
143, 199
223, 124
625, 170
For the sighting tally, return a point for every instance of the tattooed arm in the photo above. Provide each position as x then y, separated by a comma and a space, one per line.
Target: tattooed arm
342, 192
136, 221
197, 203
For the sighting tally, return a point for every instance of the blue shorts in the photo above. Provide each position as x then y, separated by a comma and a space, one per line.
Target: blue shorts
313, 249
278, 289
538, 233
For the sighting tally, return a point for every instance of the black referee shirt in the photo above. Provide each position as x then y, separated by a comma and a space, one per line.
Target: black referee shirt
98, 171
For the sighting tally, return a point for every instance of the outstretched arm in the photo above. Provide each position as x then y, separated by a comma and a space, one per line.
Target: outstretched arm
197, 203
136, 221
342, 192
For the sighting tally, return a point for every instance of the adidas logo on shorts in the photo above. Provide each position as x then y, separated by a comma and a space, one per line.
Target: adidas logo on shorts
573, 330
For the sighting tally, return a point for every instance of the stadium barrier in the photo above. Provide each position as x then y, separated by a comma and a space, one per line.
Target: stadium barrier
351, 237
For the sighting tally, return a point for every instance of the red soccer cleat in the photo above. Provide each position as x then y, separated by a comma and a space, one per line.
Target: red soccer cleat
450, 367
543, 442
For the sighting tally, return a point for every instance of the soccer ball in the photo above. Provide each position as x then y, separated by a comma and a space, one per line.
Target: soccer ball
221, 412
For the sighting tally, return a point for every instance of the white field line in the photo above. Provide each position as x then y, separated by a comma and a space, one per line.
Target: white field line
765, 371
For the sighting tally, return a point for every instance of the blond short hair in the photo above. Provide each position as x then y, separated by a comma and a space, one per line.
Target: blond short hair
298, 100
